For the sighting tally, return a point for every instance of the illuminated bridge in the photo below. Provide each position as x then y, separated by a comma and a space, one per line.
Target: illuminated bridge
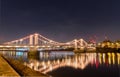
38, 42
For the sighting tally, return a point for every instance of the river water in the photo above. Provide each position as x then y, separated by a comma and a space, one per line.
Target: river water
69, 64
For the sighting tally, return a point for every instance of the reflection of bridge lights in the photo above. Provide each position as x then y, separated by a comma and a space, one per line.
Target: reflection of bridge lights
31, 65
43, 63
118, 58
50, 68
100, 60
104, 57
68, 63
109, 58
76, 65
54, 62
48, 62
82, 66
37, 64
44, 67
58, 61
113, 58
78, 61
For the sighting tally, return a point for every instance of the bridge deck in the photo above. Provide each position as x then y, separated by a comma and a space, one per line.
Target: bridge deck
6, 69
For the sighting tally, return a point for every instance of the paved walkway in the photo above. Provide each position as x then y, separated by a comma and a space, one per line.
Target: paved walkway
6, 69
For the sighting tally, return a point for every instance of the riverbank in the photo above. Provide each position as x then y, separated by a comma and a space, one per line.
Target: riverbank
22, 69
6, 69
99, 50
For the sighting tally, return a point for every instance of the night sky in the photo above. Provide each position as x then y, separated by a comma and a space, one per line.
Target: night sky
60, 20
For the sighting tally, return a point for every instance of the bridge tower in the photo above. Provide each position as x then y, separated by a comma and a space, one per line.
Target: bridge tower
36, 39
81, 42
75, 43
31, 40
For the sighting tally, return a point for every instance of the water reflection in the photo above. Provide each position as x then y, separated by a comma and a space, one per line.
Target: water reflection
54, 55
16, 54
77, 61
48, 62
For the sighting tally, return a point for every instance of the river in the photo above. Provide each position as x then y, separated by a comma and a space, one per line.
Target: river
69, 64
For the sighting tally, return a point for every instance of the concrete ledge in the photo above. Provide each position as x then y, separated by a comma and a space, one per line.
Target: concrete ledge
22, 69
6, 69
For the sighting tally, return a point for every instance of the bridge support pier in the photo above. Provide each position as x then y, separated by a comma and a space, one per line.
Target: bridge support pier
33, 55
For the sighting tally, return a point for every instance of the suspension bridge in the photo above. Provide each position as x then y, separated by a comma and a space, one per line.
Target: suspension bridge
38, 42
